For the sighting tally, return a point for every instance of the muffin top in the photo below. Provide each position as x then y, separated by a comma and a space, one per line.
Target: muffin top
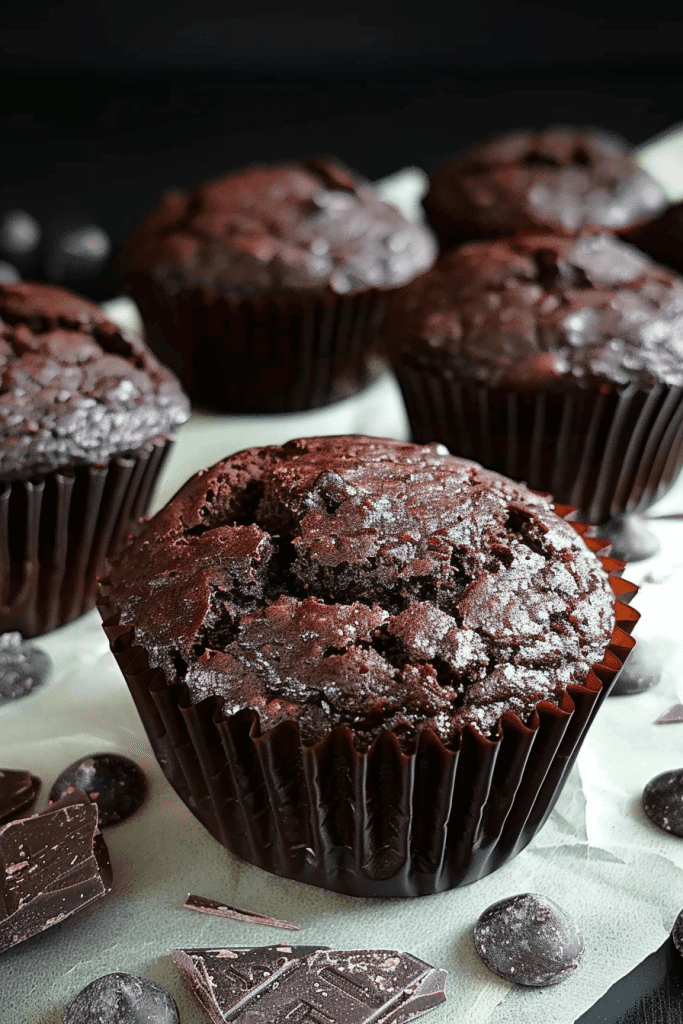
544, 312
662, 238
74, 388
367, 582
312, 227
558, 179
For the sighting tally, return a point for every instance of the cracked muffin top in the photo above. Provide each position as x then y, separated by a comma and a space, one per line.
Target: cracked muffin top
310, 227
558, 179
539, 311
365, 582
74, 387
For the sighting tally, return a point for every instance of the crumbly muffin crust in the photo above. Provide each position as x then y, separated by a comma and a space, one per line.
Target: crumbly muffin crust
310, 227
539, 311
366, 582
558, 179
74, 387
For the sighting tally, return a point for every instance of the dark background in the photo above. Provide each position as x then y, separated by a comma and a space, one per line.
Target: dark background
105, 105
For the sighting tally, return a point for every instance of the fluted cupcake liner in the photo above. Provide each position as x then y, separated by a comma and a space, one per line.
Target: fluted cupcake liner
368, 823
260, 356
56, 532
602, 453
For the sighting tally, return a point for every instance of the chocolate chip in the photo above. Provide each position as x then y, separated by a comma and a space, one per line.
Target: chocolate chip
663, 801
78, 252
23, 666
18, 792
677, 933
115, 783
631, 539
528, 939
643, 669
122, 999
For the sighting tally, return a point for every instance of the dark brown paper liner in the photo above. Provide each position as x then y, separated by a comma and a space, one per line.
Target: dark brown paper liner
260, 356
378, 823
602, 453
57, 531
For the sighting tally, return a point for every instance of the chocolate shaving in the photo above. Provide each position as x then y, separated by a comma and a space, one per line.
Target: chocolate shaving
674, 714
206, 906
51, 865
18, 792
279, 984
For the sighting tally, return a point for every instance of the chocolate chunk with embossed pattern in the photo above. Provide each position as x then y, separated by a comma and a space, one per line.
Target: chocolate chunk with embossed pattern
283, 983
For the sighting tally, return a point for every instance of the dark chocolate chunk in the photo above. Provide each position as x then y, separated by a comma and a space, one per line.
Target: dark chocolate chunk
52, 865
663, 801
631, 538
279, 984
122, 999
18, 792
642, 670
115, 783
677, 933
206, 906
528, 939
673, 714
23, 666
652, 993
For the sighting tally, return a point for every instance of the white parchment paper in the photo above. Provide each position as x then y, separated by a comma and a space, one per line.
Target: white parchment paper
598, 856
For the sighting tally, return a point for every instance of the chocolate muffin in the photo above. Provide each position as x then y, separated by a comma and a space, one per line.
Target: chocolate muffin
350, 615
662, 237
556, 361
86, 417
264, 288
558, 180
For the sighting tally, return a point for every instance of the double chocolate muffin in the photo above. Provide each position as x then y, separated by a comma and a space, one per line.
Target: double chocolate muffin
264, 288
346, 612
557, 180
86, 416
557, 361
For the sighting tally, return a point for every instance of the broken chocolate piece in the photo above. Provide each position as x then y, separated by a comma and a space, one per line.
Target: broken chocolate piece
663, 801
528, 939
630, 537
23, 666
677, 933
652, 993
206, 906
302, 983
674, 714
18, 792
52, 865
122, 999
115, 783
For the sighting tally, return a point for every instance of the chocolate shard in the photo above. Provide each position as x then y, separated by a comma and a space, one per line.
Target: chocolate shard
207, 906
674, 714
18, 792
280, 984
51, 865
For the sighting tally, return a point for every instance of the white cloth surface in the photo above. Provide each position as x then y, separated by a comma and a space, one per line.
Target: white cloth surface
619, 877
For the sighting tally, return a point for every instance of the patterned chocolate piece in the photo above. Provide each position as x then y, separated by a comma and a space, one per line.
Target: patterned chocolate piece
51, 865
301, 984
18, 792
